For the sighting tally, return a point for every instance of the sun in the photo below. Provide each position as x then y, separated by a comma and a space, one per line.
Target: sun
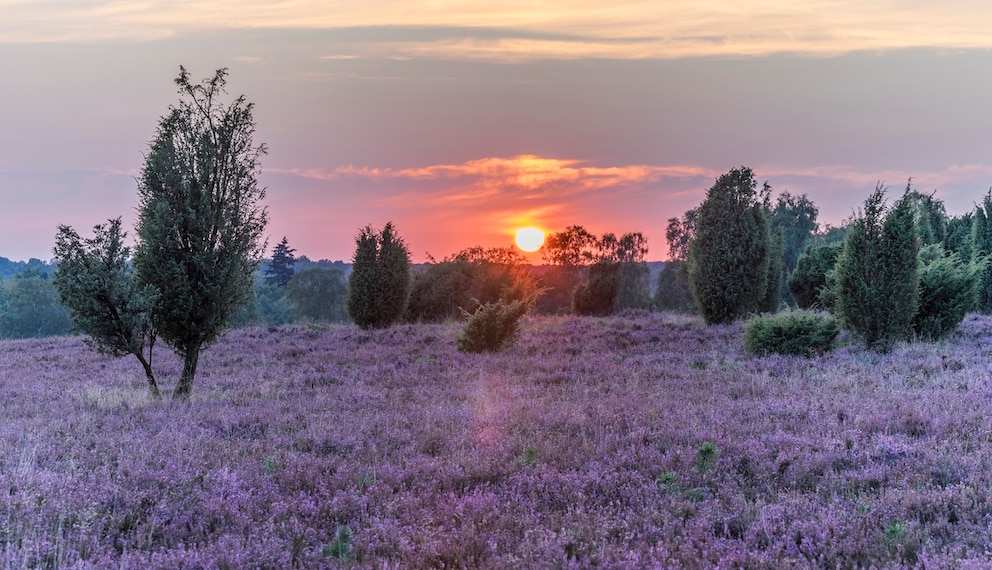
530, 239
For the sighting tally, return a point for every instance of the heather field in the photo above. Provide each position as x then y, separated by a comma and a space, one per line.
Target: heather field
642, 440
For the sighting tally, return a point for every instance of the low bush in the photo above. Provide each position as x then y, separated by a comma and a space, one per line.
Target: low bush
802, 333
492, 326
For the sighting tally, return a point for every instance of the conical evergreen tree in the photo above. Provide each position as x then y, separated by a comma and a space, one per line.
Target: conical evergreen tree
981, 249
877, 276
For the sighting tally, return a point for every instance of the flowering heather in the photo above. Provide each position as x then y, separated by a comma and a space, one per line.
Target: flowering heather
641, 440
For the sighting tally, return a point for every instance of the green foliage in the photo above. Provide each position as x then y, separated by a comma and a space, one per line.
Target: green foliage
931, 218
200, 219
280, 269
598, 293
958, 238
877, 273
672, 289
981, 248
729, 256
773, 292
809, 277
96, 282
492, 327
948, 290
341, 549
380, 282
318, 295
796, 217
30, 308
800, 333
706, 456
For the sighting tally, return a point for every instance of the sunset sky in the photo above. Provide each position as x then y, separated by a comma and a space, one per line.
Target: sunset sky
461, 121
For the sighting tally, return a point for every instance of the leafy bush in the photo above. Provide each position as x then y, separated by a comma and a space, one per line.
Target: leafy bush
492, 326
948, 290
597, 295
793, 332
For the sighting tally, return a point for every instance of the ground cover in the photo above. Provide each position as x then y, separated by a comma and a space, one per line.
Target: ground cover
641, 440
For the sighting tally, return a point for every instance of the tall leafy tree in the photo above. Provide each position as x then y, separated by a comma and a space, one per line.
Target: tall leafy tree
795, 217
729, 256
280, 269
200, 218
380, 280
679, 234
877, 276
96, 282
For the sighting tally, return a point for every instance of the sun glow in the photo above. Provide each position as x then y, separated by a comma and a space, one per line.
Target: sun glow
530, 239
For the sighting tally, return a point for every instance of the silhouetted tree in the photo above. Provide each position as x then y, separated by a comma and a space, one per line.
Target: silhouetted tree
597, 294
680, 233
379, 284
280, 269
200, 221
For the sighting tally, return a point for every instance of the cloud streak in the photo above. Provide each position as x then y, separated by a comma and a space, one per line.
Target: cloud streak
516, 30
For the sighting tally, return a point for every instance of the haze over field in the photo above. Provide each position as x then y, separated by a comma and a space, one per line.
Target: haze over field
462, 122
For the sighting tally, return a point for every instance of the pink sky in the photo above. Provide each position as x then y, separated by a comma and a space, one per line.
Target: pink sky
461, 122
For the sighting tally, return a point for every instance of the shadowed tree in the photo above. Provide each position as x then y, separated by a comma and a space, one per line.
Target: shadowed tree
981, 249
96, 283
318, 295
200, 219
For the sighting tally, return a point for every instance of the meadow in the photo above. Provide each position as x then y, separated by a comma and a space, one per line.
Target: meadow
634, 441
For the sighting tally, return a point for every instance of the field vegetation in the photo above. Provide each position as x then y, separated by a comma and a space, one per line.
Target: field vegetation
636, 440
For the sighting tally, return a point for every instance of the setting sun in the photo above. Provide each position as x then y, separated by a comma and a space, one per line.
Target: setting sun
530, 239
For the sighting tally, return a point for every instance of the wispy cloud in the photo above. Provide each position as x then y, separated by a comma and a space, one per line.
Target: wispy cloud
519, 30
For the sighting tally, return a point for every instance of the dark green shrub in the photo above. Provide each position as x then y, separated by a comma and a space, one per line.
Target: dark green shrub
948, 290
801, 333
635, 286
379, 283
877, 276
597, 295
557, 285
729, 256
491, 327
773, 293
809, 277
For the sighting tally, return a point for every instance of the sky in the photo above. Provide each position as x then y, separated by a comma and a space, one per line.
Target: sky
463, 120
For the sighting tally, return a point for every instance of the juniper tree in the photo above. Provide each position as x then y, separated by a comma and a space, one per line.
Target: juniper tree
380, 281
877, 275
810, 275
200, 219
96, 282
730, 253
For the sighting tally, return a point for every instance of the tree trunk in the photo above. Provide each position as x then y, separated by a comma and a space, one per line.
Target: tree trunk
150, 375
185, 387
